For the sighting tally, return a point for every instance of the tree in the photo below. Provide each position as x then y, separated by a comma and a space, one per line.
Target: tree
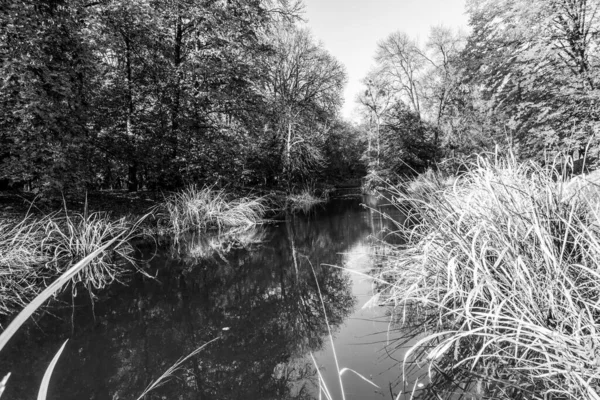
426, 78
408, 142
537, 64
377, 100
344, 150
44, 97
403, 63
303, 88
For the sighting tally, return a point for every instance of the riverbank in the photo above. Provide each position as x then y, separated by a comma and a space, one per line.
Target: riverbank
499, 281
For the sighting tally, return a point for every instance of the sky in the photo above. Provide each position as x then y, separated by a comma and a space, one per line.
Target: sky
350, 30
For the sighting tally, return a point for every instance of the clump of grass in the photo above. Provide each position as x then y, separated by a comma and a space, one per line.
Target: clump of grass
506, 269
21, 262
305, 200
196, 209
36, 303
73, 237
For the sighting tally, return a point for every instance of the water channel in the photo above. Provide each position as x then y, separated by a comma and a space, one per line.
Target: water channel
256, 291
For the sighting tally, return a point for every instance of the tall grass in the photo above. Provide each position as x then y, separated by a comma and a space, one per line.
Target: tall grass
33, 251
504, 266
305, 200
21, 262
70, 238
196, 209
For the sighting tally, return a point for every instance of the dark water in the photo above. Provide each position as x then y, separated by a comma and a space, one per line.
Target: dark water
257, 291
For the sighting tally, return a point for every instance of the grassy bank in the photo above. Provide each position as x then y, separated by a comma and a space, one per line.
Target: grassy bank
37, 247
502, 268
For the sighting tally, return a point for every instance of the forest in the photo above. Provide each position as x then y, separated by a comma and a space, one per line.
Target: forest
157, 95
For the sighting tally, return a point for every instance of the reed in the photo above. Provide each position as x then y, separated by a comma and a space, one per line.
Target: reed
504, 264
197, 209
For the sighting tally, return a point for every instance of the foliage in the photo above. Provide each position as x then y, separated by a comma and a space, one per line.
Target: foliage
536, 63
160, 94
502, 266
408, 143
344, 149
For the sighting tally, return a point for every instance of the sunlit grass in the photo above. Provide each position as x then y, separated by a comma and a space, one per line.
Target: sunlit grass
504, 263
72, 237
304, 201
21, 262
196, 209
33, 305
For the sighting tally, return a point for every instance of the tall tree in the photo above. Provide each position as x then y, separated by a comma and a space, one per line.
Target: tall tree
304, 89
45, 92
537, 62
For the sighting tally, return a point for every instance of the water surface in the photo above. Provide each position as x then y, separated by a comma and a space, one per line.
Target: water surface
263, 293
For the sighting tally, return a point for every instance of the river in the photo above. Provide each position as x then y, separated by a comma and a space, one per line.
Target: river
261, 293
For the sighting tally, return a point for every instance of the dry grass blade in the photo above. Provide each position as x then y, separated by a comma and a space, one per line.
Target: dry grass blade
359, 375
48, 292
43, 393
169, 372
3, 383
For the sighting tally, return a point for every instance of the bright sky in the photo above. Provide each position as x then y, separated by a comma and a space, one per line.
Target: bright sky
350, 30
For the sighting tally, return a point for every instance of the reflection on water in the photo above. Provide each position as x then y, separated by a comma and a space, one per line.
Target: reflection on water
253, 289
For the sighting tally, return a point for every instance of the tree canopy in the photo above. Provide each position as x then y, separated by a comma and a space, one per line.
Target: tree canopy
157, 94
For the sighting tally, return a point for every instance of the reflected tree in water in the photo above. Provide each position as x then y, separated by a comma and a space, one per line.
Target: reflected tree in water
260, 300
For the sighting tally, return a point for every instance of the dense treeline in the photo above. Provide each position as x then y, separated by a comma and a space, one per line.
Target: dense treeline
156, 94
525, 78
